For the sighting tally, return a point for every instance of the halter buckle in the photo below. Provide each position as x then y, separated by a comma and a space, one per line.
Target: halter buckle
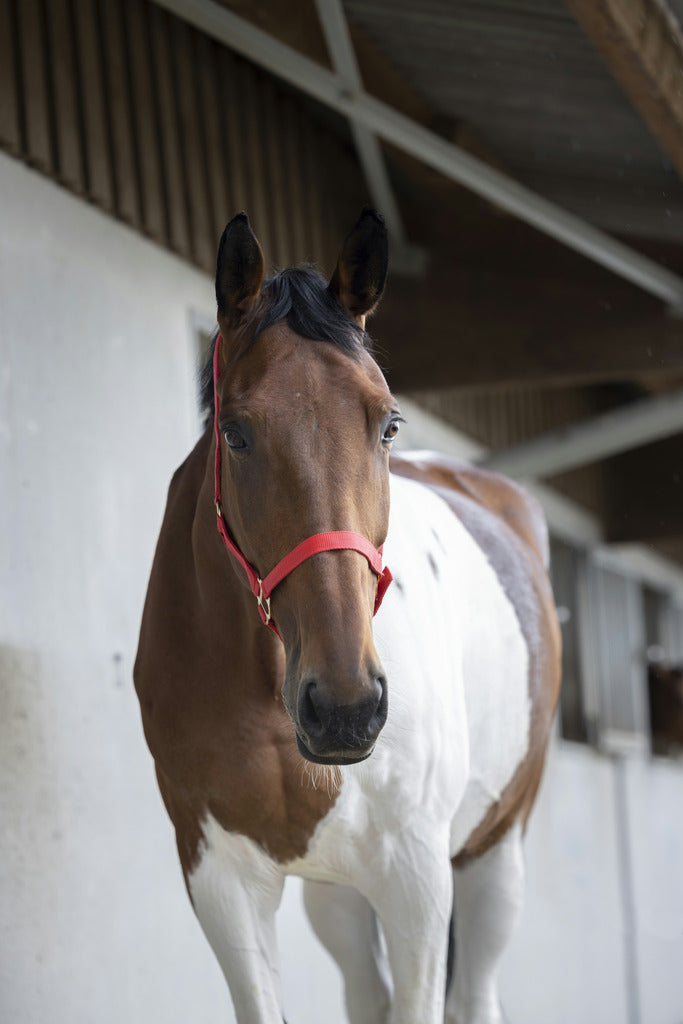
219, 510
263, 602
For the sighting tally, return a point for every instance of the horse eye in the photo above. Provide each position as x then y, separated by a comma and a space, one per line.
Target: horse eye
391, 431
234, 439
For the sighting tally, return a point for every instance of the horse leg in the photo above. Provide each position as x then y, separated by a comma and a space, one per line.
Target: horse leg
488, 894
235, 890
413, 895
347, 926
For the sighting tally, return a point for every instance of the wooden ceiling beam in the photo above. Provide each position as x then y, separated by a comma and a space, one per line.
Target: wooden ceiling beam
470, 327
642, 44
298, 25
392, 126
645, 493
590, 440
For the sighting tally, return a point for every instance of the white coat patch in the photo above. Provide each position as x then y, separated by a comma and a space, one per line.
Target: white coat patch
471, 629
458, 727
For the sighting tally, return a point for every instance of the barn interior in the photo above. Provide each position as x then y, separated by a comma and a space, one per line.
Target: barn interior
527, 156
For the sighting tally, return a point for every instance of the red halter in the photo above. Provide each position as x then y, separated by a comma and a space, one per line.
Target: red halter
335, 540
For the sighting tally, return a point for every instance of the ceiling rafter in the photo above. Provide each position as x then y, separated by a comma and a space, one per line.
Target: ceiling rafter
452, 161
642, 45
404, 257
342, 55
530, 322
592, 439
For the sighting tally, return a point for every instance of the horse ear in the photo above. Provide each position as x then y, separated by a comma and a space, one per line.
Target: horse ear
239, 271
358, 281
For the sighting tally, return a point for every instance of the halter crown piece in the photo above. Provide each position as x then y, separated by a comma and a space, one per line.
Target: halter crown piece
336, 540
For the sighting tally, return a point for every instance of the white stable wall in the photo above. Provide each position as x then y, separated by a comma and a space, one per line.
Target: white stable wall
601, 935
566, 963
655, 829
97, 407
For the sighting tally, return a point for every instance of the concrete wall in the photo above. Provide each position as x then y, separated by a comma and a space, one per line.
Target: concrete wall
601, 936
655, 833
97, 407
566, 964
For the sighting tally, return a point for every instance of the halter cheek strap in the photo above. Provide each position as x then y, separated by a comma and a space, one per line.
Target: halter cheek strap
335, 540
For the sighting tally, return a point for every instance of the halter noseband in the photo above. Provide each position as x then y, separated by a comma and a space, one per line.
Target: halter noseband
335, 540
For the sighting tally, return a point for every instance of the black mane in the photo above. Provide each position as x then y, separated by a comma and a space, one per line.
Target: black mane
300, 296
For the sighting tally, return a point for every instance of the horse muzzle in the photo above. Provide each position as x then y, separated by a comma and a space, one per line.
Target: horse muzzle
330, 732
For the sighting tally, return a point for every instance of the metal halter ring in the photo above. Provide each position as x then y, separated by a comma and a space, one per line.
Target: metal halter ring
263, 602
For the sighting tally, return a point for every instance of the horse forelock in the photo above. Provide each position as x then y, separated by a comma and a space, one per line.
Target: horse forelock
300, 297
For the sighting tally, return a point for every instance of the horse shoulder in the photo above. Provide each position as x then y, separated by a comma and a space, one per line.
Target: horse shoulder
501, 496
508, 526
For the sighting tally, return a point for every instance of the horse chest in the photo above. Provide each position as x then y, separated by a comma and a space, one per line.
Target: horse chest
457, 729
458, 726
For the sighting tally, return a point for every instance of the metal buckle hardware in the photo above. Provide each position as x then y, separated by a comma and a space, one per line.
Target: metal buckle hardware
263, 602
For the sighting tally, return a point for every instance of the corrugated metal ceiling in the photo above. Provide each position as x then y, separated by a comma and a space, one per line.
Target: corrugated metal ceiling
526, 79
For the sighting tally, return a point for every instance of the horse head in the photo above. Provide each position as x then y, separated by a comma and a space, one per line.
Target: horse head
304, 424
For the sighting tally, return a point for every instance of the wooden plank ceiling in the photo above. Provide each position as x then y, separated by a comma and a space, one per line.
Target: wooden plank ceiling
532, 333
531, 83
154, 123
507, 333
582, 103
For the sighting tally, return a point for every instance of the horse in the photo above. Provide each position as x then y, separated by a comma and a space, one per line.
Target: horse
308, 716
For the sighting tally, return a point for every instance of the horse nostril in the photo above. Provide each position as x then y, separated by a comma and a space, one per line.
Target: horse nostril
328, 724
309, 715
379, 711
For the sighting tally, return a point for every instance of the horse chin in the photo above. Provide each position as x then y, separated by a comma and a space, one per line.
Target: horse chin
332, 759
